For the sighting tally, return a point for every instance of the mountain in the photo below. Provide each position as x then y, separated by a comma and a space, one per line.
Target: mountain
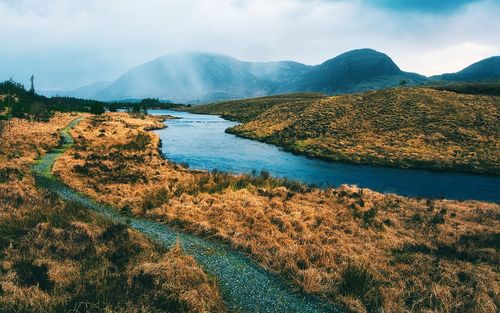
85, 92
354, 71
204, 77
487, 69
90, 90
195, 77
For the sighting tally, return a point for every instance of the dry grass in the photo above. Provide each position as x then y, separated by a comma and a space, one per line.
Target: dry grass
249, 109
403, 127
359, 248
58, 257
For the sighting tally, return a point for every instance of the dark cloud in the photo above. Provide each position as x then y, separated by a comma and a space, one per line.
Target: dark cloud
427, 6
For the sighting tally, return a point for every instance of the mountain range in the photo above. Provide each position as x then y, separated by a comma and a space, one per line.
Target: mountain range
205, 77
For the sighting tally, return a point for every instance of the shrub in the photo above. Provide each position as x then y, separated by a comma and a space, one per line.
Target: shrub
438, 218
2, 127
30, 274
96, 108
369, 216
356, 281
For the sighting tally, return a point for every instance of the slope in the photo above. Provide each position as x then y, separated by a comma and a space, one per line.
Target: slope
402, 127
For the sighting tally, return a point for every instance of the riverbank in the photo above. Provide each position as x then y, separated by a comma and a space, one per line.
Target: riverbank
200, 140
400, 127
244, 286
324, 241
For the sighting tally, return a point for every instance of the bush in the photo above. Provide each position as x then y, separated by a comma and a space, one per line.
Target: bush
30, 274
356, 281
96, 108
113, 107
2, 127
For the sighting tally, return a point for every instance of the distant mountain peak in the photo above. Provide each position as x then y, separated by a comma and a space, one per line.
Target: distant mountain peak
197, 77
356, 70
486, 69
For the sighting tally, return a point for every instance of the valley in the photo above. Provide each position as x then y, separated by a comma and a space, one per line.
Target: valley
99, 204
250, 156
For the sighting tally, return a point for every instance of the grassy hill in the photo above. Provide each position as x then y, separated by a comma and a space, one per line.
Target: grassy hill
487, 89
403, 127
249, 109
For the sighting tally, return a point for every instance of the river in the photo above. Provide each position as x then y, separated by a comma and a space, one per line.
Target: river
200, 141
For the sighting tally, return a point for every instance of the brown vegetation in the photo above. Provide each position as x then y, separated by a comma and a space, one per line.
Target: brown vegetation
403, 127
58, 257
364, 250
249, 109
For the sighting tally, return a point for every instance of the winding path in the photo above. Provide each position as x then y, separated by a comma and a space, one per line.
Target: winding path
245, 286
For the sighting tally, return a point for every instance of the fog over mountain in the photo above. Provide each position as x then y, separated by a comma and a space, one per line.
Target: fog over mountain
71, 43
197, 77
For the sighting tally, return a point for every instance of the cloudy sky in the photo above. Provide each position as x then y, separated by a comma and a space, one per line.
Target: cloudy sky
69, 43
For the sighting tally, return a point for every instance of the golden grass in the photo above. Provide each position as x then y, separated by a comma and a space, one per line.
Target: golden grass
248, 109
409, 254
403, 127
58, 257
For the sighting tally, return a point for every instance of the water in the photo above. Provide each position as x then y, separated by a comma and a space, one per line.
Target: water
200, 141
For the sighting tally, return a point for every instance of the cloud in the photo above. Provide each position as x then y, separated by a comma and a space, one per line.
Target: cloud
428, 6
68, 43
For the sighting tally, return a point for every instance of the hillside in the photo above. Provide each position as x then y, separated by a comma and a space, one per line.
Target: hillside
249, 109
198, 77
470, 88
354, 71
402, 127
487, 69
192, 77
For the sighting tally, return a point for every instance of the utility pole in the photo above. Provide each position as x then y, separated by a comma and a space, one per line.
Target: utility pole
32, 89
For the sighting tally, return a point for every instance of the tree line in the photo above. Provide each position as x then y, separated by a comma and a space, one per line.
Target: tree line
16, 101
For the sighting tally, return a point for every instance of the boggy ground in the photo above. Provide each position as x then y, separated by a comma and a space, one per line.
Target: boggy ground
364, 250
57, 257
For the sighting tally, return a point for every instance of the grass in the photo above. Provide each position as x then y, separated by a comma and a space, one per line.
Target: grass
489, 88
249, 109
410, 254
401, 127
56, 256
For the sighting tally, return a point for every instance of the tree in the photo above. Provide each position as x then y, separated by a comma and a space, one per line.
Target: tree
18, 109
113, 107
2, 127
138, 108
39, 111
96, 108
403, 82
150, 102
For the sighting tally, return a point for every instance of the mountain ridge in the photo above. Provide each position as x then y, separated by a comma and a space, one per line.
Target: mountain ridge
486, 69
199, 77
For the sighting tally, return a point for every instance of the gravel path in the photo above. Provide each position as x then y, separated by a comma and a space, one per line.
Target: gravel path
245, 286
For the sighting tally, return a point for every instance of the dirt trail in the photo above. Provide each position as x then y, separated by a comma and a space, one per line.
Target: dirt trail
245, 286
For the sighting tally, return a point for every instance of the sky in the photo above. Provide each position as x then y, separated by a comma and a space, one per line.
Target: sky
70, 43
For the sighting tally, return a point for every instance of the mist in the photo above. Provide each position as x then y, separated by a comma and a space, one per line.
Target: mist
67, 44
